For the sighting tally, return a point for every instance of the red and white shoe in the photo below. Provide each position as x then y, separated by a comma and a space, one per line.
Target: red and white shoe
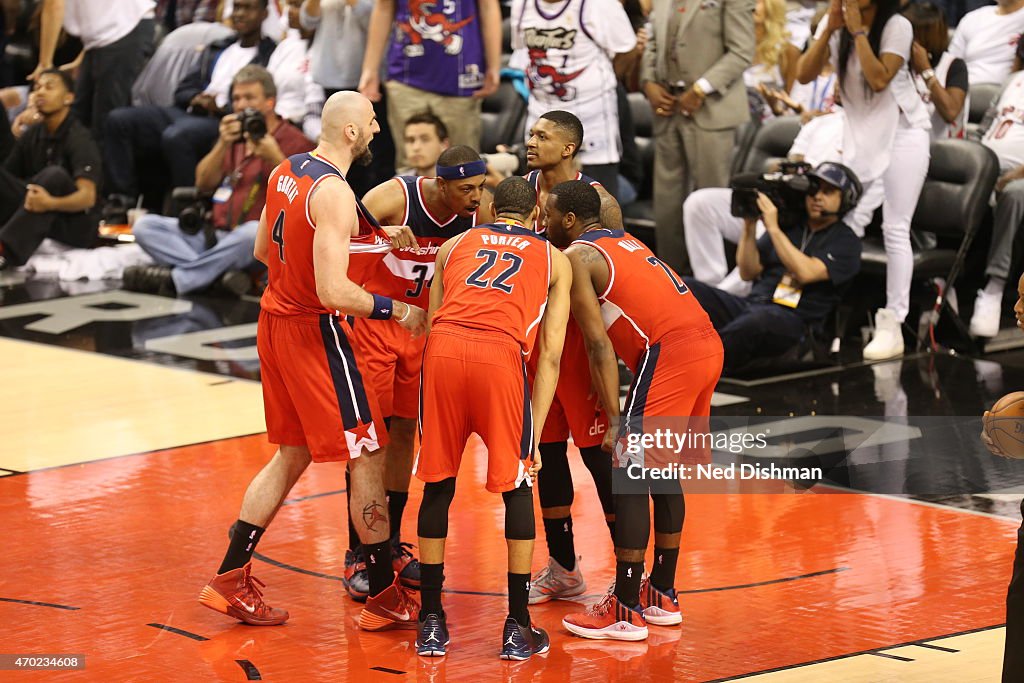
395, 607
236, 594
608, 620
659, 607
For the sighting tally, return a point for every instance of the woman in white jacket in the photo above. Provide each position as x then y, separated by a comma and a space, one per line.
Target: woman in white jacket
887, 136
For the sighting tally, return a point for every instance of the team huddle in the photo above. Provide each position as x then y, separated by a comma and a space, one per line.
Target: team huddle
382, 315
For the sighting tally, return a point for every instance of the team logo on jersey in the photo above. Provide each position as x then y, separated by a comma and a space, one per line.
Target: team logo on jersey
543, 74
426, 23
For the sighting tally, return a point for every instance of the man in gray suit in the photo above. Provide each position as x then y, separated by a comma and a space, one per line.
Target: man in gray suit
692, 76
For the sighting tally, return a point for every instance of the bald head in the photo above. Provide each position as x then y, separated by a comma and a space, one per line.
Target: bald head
344, 108
348, 121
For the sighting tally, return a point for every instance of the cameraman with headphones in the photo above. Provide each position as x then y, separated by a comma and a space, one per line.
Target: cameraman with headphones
797, 271
197, 250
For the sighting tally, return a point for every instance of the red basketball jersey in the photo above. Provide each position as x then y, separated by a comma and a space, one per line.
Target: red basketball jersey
645, 302
291, 287
406, 274
496, 279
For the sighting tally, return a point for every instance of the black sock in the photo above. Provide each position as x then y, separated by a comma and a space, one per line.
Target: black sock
663, 572
560, 545
241, 546
378, 566
396, 508
627, 582
519, 598
431, 580
353, 535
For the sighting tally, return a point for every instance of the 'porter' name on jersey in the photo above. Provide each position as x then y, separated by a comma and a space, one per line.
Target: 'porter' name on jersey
506, 241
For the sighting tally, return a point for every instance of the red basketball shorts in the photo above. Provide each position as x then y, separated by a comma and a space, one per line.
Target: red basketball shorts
575, 409
672, 390
313, 390
475, 382
391, 359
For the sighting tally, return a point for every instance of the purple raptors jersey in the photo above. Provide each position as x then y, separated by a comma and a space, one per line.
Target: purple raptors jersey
437, 46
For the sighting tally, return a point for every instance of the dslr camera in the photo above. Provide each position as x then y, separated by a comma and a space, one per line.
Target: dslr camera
194, 209
787, 188
253, 123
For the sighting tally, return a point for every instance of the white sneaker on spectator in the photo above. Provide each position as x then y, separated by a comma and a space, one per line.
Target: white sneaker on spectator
887, 341
985, 320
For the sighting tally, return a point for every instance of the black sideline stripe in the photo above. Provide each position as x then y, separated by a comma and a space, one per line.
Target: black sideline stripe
40, 604
180, 632
251, 672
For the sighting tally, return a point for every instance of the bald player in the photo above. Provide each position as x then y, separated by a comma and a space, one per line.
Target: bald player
629, 303
321, 242
436, 209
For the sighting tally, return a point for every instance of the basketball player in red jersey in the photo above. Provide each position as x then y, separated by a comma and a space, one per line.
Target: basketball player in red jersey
555, 139
436, 209
317, 407
551, 151
497, 288
628, 302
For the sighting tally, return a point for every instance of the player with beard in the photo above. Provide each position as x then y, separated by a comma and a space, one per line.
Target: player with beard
551, 152
649, 318
317, 406
436, 209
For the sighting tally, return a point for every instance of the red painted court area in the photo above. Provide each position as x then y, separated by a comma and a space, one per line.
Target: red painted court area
768, 580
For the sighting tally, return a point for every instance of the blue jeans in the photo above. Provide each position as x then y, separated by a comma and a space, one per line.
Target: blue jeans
195, 267
748, 329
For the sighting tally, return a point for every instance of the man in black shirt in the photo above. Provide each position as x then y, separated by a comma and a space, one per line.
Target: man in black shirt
49, 183
797, 272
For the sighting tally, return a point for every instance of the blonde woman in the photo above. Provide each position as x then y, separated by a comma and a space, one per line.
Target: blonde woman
775, 57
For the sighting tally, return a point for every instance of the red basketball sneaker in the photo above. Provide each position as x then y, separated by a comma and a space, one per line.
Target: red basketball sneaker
235, 594
660, 608
394, 608
608, 619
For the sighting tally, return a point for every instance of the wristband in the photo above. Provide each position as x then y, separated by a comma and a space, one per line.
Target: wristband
928, 74
861, 32
383, 308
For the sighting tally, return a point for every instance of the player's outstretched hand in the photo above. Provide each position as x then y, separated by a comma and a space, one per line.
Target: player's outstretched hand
537, 464
401, 237
990, 444
414, 320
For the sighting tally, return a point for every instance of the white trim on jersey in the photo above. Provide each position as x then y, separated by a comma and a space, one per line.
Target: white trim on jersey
419, 196
405, 191
309, 196
544, 305
404, 268
608, 260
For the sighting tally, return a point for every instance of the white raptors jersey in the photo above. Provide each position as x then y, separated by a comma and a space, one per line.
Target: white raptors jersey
566, 49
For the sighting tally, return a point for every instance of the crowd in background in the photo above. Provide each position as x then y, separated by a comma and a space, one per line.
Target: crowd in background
110, 112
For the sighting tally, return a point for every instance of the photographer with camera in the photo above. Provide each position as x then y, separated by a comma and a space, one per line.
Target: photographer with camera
251, 143
797, 270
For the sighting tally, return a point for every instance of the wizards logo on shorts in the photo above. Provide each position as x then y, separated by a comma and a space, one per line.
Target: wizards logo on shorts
363, 435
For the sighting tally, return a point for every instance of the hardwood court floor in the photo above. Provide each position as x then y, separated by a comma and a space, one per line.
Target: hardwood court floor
106, 558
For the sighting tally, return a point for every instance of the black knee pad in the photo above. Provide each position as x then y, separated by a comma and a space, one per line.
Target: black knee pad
600, 465
519, 522
554, 482
669, 512
632, 521
433, 517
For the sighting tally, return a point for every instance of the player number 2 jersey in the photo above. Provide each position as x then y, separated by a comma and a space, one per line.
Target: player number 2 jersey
496, 279
291, 287
645, 302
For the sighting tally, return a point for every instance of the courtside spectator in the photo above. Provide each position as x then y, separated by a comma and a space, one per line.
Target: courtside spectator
986, 39
425, 138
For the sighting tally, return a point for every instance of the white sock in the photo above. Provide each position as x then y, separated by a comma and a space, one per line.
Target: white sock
995, 286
